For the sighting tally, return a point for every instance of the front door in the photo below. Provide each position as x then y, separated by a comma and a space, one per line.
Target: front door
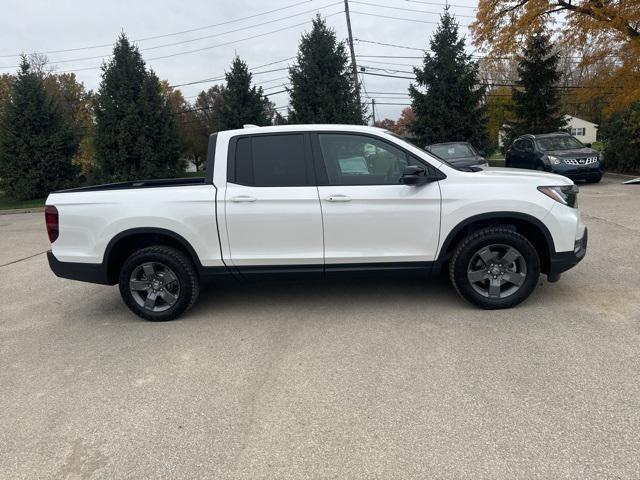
271, 204
368, 215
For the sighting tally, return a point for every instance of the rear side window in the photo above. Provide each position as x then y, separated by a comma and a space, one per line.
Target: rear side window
270, 161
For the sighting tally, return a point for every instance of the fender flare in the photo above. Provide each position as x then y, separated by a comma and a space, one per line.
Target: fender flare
150, 230
500, 216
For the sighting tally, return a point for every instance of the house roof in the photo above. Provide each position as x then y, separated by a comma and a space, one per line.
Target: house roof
581, 119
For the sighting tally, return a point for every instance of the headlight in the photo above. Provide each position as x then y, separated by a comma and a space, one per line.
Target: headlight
566, 194
553, 160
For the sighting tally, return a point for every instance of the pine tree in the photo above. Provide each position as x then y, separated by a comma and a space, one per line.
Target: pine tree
322, 86
37, 141
136, 134
242, 103
450, 107
537, 101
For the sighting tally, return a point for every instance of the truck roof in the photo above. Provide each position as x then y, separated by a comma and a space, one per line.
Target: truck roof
303, 128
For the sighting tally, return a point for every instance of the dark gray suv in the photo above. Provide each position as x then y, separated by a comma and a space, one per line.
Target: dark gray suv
557, 153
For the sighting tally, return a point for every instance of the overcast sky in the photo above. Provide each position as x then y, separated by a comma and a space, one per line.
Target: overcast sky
45, 26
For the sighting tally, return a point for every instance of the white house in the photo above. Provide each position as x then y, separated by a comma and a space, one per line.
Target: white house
584, 131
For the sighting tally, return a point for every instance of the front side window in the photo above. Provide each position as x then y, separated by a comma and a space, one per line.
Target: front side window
270, 161
362, 160
523, 145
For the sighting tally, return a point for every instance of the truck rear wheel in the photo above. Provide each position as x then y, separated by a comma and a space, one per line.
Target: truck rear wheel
158, 283
495, 267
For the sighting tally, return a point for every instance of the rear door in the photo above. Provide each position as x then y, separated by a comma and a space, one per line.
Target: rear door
272, 210
369, 216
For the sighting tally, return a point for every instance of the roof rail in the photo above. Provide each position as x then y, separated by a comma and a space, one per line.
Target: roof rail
250, 125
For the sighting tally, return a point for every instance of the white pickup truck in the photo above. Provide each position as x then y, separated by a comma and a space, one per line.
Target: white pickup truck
317, 200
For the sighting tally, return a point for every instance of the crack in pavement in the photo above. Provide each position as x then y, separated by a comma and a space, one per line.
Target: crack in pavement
22, 259
610, 222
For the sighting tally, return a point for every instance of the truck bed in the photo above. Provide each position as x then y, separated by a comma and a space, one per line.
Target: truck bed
166, 182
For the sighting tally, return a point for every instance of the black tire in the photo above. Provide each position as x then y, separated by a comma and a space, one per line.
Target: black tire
594, 179
181, 290
467, 257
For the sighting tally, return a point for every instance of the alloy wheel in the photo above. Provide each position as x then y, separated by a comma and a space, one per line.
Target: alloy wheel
154, 286
497, 271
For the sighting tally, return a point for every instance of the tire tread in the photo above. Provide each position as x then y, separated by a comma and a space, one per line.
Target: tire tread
178, 257
493, 230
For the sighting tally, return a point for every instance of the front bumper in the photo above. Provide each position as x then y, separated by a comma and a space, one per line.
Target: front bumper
84, 272
578, 172
563, 261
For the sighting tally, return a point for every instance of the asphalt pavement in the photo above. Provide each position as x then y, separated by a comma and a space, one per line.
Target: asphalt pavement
370, 379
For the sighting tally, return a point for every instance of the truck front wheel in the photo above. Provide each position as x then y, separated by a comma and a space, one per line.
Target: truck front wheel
158, 283
495, 267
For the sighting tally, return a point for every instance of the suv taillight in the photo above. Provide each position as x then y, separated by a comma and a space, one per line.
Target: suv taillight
52, 222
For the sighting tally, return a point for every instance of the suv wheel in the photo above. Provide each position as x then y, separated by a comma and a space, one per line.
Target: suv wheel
495, 267
158, 283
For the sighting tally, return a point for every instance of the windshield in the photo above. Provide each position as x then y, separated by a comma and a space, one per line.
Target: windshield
452, 151
561, 142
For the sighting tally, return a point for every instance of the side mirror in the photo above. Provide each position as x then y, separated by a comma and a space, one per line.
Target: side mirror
415, 175
482, 153
588, 145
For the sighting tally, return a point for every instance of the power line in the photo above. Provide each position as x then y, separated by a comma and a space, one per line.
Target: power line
446, 4
248, 27
383, 56
168, 34
222, 77
494, 84
386, 75
394, 18
388, 70
97, 57
217, 45
389, 44
392, 63
392, 103
404, 9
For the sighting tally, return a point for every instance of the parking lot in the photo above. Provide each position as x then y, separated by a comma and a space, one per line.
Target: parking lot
374, 379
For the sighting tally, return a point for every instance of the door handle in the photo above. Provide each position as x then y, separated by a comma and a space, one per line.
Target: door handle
243, 199
338, 198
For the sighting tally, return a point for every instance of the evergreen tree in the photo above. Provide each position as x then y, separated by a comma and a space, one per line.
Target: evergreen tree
136, 134
621, 135
242, 103
537, 101
322, 86
202, 121
37, 141
450, 107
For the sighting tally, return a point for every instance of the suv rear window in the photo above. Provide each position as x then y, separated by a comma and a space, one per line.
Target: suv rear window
270, 161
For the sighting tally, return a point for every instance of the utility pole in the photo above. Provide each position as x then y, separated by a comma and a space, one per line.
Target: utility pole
373, 110
353, 53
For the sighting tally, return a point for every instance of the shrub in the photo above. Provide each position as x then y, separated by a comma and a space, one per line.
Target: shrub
622, 140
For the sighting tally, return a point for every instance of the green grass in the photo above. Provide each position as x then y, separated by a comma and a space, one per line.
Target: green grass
10, 204
496, 159
599, 146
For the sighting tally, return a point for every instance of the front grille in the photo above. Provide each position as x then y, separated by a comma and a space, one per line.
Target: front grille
581, 161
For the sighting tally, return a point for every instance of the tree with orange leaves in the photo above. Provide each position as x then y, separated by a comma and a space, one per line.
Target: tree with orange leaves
605, 34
